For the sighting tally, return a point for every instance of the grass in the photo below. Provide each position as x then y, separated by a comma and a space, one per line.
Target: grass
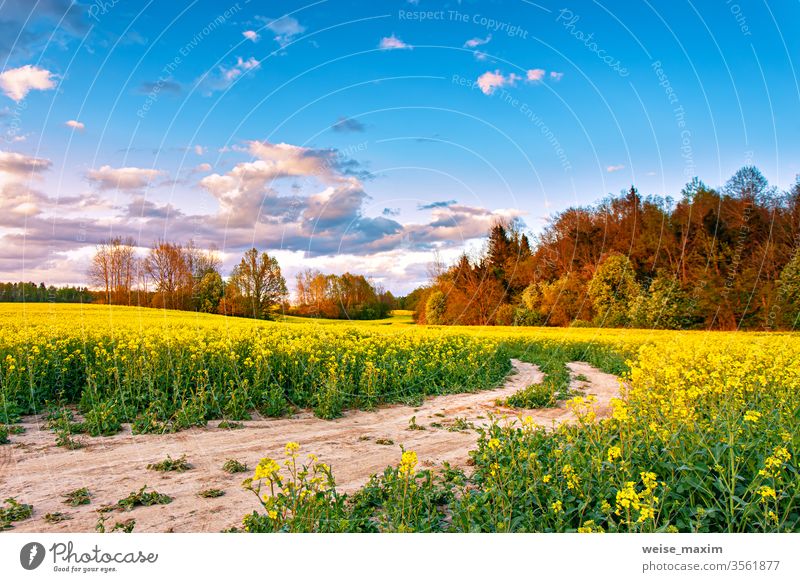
178, 465
533, 396
233, 466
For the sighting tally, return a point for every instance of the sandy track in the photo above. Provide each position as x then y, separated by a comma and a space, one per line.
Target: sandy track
35, 471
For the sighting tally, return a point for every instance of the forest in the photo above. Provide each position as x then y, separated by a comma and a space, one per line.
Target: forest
724, 258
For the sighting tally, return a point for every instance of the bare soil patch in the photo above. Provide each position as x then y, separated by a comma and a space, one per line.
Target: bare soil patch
35, 471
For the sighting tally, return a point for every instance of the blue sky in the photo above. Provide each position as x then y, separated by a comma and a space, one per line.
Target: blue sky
366, 136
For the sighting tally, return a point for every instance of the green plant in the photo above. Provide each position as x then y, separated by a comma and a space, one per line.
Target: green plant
3, 435
534, 396
122, 526
178, 465
63, 439
383, 441
233, 466
14, 511
412, 424
230, 424
56, 517
211, 493
78, 497
459, 424
141, 497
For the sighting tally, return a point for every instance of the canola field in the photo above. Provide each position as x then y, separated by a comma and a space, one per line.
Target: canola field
704, 436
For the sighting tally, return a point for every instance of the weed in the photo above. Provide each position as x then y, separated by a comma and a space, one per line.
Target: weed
14, 511
56, 517
233, 466
230, 424
460, 424
383, 441
211, 493
412, 424
141, 497
169, 464
122, 526
534, 396
78, 497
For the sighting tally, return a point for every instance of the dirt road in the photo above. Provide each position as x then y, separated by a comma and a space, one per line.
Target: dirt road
35, 471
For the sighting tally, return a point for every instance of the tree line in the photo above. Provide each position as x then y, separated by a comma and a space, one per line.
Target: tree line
344, 296
185, 277
724, 258
32, 293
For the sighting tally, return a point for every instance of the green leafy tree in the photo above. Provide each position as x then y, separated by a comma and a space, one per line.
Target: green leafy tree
789, 292
613, 289
258, 284
435, 307
208, 292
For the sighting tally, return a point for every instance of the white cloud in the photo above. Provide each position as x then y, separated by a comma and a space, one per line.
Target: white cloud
130, 178
615, 168
480, 56
490, 81
389, 43
17, 83
556, 76
204, 167
535, 75
199, 150
251, 35
475, 42
77, 125
286, 28
224, 76
17, 164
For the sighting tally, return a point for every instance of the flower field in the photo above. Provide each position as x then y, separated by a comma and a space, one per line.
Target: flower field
704, 437
164, 371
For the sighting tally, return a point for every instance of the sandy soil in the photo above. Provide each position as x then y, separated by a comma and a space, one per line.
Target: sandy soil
35, 471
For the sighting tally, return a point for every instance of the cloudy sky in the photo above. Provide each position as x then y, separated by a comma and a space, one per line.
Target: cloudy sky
366, 136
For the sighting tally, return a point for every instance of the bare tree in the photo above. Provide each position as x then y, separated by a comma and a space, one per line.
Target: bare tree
167, 266
113, 269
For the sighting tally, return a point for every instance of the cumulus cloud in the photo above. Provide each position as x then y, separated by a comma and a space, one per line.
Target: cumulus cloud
477, 41
17, 83
251, 35
389, 43
492, 80
77, 125
130, 178
346, 124
615, 168
285, 28
16, 164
